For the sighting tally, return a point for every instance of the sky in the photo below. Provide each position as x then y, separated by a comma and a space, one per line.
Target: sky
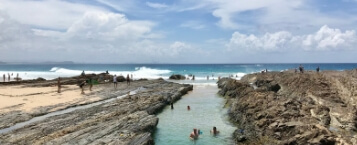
180, 31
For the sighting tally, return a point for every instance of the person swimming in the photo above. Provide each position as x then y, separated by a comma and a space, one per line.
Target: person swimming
214, 131
194, 134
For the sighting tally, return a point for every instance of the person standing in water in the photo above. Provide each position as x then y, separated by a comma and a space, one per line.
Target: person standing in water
115, 82
194, 134
214, 131
59, 85
4, 77
172, 105
127, 80
8, 77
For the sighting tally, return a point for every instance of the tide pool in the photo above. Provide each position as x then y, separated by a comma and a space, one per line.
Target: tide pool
206, 111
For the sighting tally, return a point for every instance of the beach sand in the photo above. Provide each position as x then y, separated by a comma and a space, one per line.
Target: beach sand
28, 99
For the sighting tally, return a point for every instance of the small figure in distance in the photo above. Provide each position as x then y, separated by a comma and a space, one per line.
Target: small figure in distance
194, 134
193, 77
4, 77
301, 69
90, 81
83, 74
172, 105
214, 131
59, 85
107, 72
127, 80
82, 86
318, 69
8, 77
188, 108
115, 82
266, 70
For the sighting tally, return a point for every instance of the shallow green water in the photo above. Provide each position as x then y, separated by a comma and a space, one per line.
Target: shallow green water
206, 111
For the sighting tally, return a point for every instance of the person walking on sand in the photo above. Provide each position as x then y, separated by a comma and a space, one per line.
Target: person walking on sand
115, 82
82, 86
127, 80
318, 69
59, 85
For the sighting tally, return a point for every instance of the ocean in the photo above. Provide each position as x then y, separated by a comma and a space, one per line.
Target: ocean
153, 71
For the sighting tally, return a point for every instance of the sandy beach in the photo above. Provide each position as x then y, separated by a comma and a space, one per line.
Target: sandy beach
28, 99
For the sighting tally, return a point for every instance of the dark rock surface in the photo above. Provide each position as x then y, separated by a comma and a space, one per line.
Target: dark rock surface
177, 77
293, 108
129, 120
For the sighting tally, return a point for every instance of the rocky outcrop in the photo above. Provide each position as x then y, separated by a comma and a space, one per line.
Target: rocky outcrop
129, 120
293, 108
177, 77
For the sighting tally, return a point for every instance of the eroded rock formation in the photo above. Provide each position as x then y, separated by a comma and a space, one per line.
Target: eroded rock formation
293, 108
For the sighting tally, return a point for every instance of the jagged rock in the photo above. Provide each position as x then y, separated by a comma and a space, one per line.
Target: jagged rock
293, 108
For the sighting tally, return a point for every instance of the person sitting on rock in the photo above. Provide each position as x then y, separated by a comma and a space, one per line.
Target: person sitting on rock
214, 131
194, 134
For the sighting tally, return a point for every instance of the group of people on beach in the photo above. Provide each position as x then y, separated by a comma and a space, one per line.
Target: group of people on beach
128, 79
9, 78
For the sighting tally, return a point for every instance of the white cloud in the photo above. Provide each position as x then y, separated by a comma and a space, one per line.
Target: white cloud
324, 39
96, 37
108, 26
156, 5
177, 47
327, 38
53, 14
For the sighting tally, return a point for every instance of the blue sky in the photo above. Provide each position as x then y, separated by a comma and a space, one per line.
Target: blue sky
181, 31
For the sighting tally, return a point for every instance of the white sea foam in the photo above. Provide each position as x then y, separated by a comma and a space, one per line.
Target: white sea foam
140, 72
